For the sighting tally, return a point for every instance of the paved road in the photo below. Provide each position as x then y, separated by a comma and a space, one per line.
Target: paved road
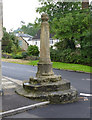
81, 81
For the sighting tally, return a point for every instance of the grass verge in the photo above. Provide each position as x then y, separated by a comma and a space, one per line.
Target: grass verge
58, 65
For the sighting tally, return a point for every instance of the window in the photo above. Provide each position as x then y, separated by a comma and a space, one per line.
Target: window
51, 41
36, 43
20, 42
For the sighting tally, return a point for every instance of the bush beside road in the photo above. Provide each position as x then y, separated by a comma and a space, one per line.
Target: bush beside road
57, 65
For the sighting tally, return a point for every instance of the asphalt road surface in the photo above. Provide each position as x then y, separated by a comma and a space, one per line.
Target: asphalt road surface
81, 81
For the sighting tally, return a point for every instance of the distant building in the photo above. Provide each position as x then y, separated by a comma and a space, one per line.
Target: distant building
36, 40
23, 40
22, 43
24, 36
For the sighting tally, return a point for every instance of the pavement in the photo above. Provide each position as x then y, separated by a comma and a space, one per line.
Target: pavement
12, 101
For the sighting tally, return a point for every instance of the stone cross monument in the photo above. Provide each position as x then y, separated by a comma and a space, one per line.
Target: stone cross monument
1, 34
46, 85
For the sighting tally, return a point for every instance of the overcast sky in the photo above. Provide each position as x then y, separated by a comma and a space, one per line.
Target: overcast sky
15, 11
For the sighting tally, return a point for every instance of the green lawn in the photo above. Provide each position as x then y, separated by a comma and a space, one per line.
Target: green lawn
58, 65
67, 66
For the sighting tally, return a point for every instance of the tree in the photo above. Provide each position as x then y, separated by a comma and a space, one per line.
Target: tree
30, 29
57, 9
70, 24
8, 41
73, 28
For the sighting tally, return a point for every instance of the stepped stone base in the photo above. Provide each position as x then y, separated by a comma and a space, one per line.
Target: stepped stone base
52, 88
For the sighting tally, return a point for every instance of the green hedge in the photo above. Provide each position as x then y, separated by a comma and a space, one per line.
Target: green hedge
70, 56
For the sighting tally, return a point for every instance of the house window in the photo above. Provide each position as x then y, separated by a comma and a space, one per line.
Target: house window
20, 42
36, 43
51, 41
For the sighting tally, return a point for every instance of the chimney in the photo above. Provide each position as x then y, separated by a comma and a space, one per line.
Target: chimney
85, 4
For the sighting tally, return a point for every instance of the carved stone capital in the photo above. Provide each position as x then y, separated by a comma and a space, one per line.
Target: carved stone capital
44, 17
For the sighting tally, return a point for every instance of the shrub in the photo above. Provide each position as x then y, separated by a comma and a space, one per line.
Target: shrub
33, 50
32, 58
24, 54
70, 56
6, 55
17, 56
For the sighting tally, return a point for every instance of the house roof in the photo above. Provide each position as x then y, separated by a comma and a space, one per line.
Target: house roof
37, 36
23, 35
18, 30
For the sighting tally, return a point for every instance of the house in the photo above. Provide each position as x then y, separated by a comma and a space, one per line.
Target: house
23, 40
24, 36
22, 43
36, 40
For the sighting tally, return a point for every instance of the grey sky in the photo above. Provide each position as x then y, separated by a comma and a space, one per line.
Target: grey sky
15, 11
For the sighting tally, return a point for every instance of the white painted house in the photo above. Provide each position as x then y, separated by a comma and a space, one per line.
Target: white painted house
36, 39
26, 37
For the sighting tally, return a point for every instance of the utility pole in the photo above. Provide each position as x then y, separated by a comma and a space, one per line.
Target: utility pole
1, 35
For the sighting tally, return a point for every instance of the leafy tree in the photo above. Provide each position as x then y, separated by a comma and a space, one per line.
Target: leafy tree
70, 24
33, 50
61, 14
57, 9
68, 21
8, 41
30, 29
72, 29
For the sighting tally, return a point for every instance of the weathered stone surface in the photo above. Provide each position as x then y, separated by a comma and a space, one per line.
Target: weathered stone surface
44, 65
44, 70
45, 79
66, 96
51, 86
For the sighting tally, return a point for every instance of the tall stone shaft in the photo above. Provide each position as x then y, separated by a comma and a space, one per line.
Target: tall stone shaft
44, 65
44, 41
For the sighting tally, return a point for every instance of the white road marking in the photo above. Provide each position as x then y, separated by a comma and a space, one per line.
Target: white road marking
85, 94
18, 110
31, 71
6, 82
9, 86
19, 82
88, 79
